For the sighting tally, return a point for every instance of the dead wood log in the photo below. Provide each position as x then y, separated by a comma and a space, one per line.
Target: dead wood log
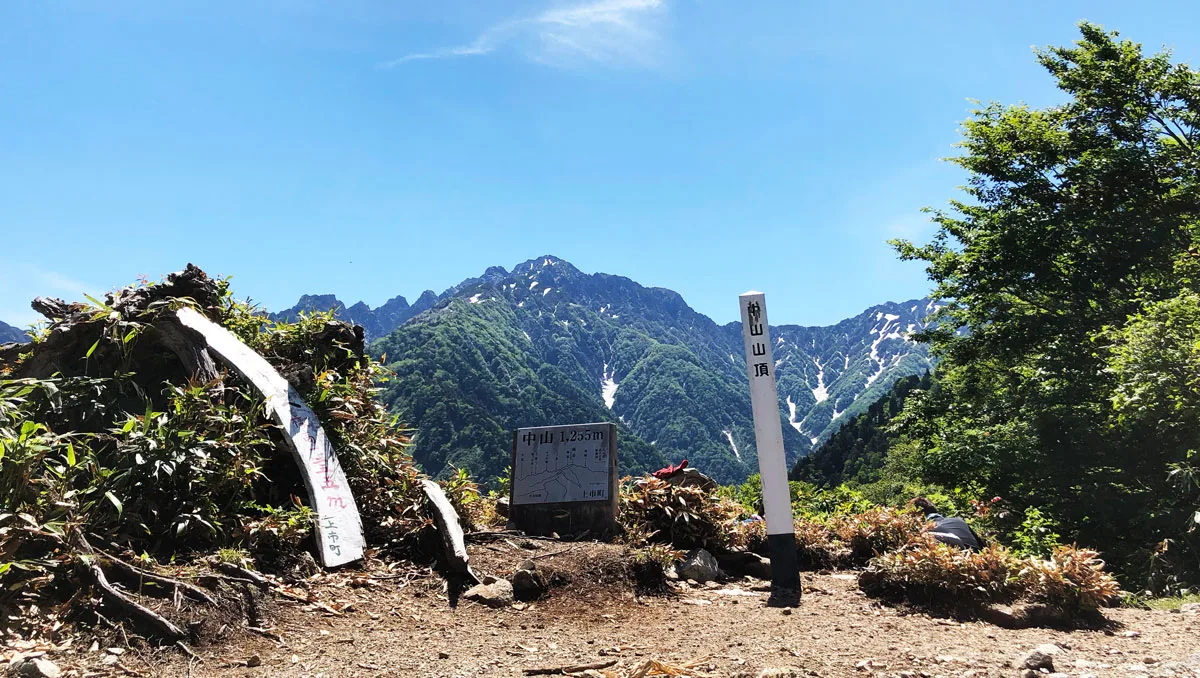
134, 610
454, 549
132, 573
189, 346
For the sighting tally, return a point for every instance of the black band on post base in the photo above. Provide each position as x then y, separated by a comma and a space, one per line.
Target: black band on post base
785, 570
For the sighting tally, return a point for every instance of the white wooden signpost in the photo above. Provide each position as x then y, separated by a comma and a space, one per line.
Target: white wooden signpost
768, 437
339, 529
564, 478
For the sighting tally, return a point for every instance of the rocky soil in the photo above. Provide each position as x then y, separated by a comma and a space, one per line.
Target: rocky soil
397, 622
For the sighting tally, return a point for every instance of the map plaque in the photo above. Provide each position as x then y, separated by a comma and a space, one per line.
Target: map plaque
564, 479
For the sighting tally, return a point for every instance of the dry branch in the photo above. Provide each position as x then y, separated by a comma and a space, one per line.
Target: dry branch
565, 670
505, 534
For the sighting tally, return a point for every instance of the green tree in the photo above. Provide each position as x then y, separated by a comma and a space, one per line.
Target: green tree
1075, 219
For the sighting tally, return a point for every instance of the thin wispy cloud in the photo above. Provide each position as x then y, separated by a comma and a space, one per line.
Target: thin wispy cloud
23, 281
614, 32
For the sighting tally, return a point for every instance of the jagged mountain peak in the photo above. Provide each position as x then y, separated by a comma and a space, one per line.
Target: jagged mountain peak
544, 261
641, 355
545, 343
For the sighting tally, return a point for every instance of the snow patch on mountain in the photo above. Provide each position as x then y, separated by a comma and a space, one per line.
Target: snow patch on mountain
820, 392
608, 387
732, 445
792, 414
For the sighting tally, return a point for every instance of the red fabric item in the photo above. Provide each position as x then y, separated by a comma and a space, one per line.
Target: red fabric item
664, 473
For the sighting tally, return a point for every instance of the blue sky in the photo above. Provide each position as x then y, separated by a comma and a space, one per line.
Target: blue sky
371, 149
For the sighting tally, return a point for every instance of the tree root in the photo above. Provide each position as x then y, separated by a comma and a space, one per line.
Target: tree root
135, 610
241, 573
130, 572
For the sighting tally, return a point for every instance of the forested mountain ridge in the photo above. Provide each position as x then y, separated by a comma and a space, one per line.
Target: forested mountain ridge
8, 333
857, 451
547, 343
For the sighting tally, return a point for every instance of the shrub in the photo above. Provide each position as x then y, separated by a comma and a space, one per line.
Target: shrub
649, 566
816, 546
1035, 536
929, 572
876, 531
1071, 580
687, 517
474, 509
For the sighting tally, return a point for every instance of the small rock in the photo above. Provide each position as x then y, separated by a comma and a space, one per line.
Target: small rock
35, 668
116, 650
253, 661
759, 568
745, 563
1030, 673
443, 655
1005, 616
1190, 608
1131, 634
1042, 657
499, 593
780, 672
528, 584
699, 565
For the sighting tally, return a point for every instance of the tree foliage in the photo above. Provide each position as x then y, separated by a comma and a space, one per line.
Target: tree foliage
1069, 388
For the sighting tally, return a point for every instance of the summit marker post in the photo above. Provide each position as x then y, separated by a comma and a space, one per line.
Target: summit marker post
768, 437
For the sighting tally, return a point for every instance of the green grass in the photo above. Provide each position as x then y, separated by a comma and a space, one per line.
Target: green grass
1171, 603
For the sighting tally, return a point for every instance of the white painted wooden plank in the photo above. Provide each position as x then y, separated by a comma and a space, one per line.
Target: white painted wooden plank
764, 399
339, 529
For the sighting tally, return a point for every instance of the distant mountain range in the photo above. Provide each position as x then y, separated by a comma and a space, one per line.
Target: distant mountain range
376, 321
8, 334
547, 344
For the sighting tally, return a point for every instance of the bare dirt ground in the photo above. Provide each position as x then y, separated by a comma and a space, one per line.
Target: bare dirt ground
399, 623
